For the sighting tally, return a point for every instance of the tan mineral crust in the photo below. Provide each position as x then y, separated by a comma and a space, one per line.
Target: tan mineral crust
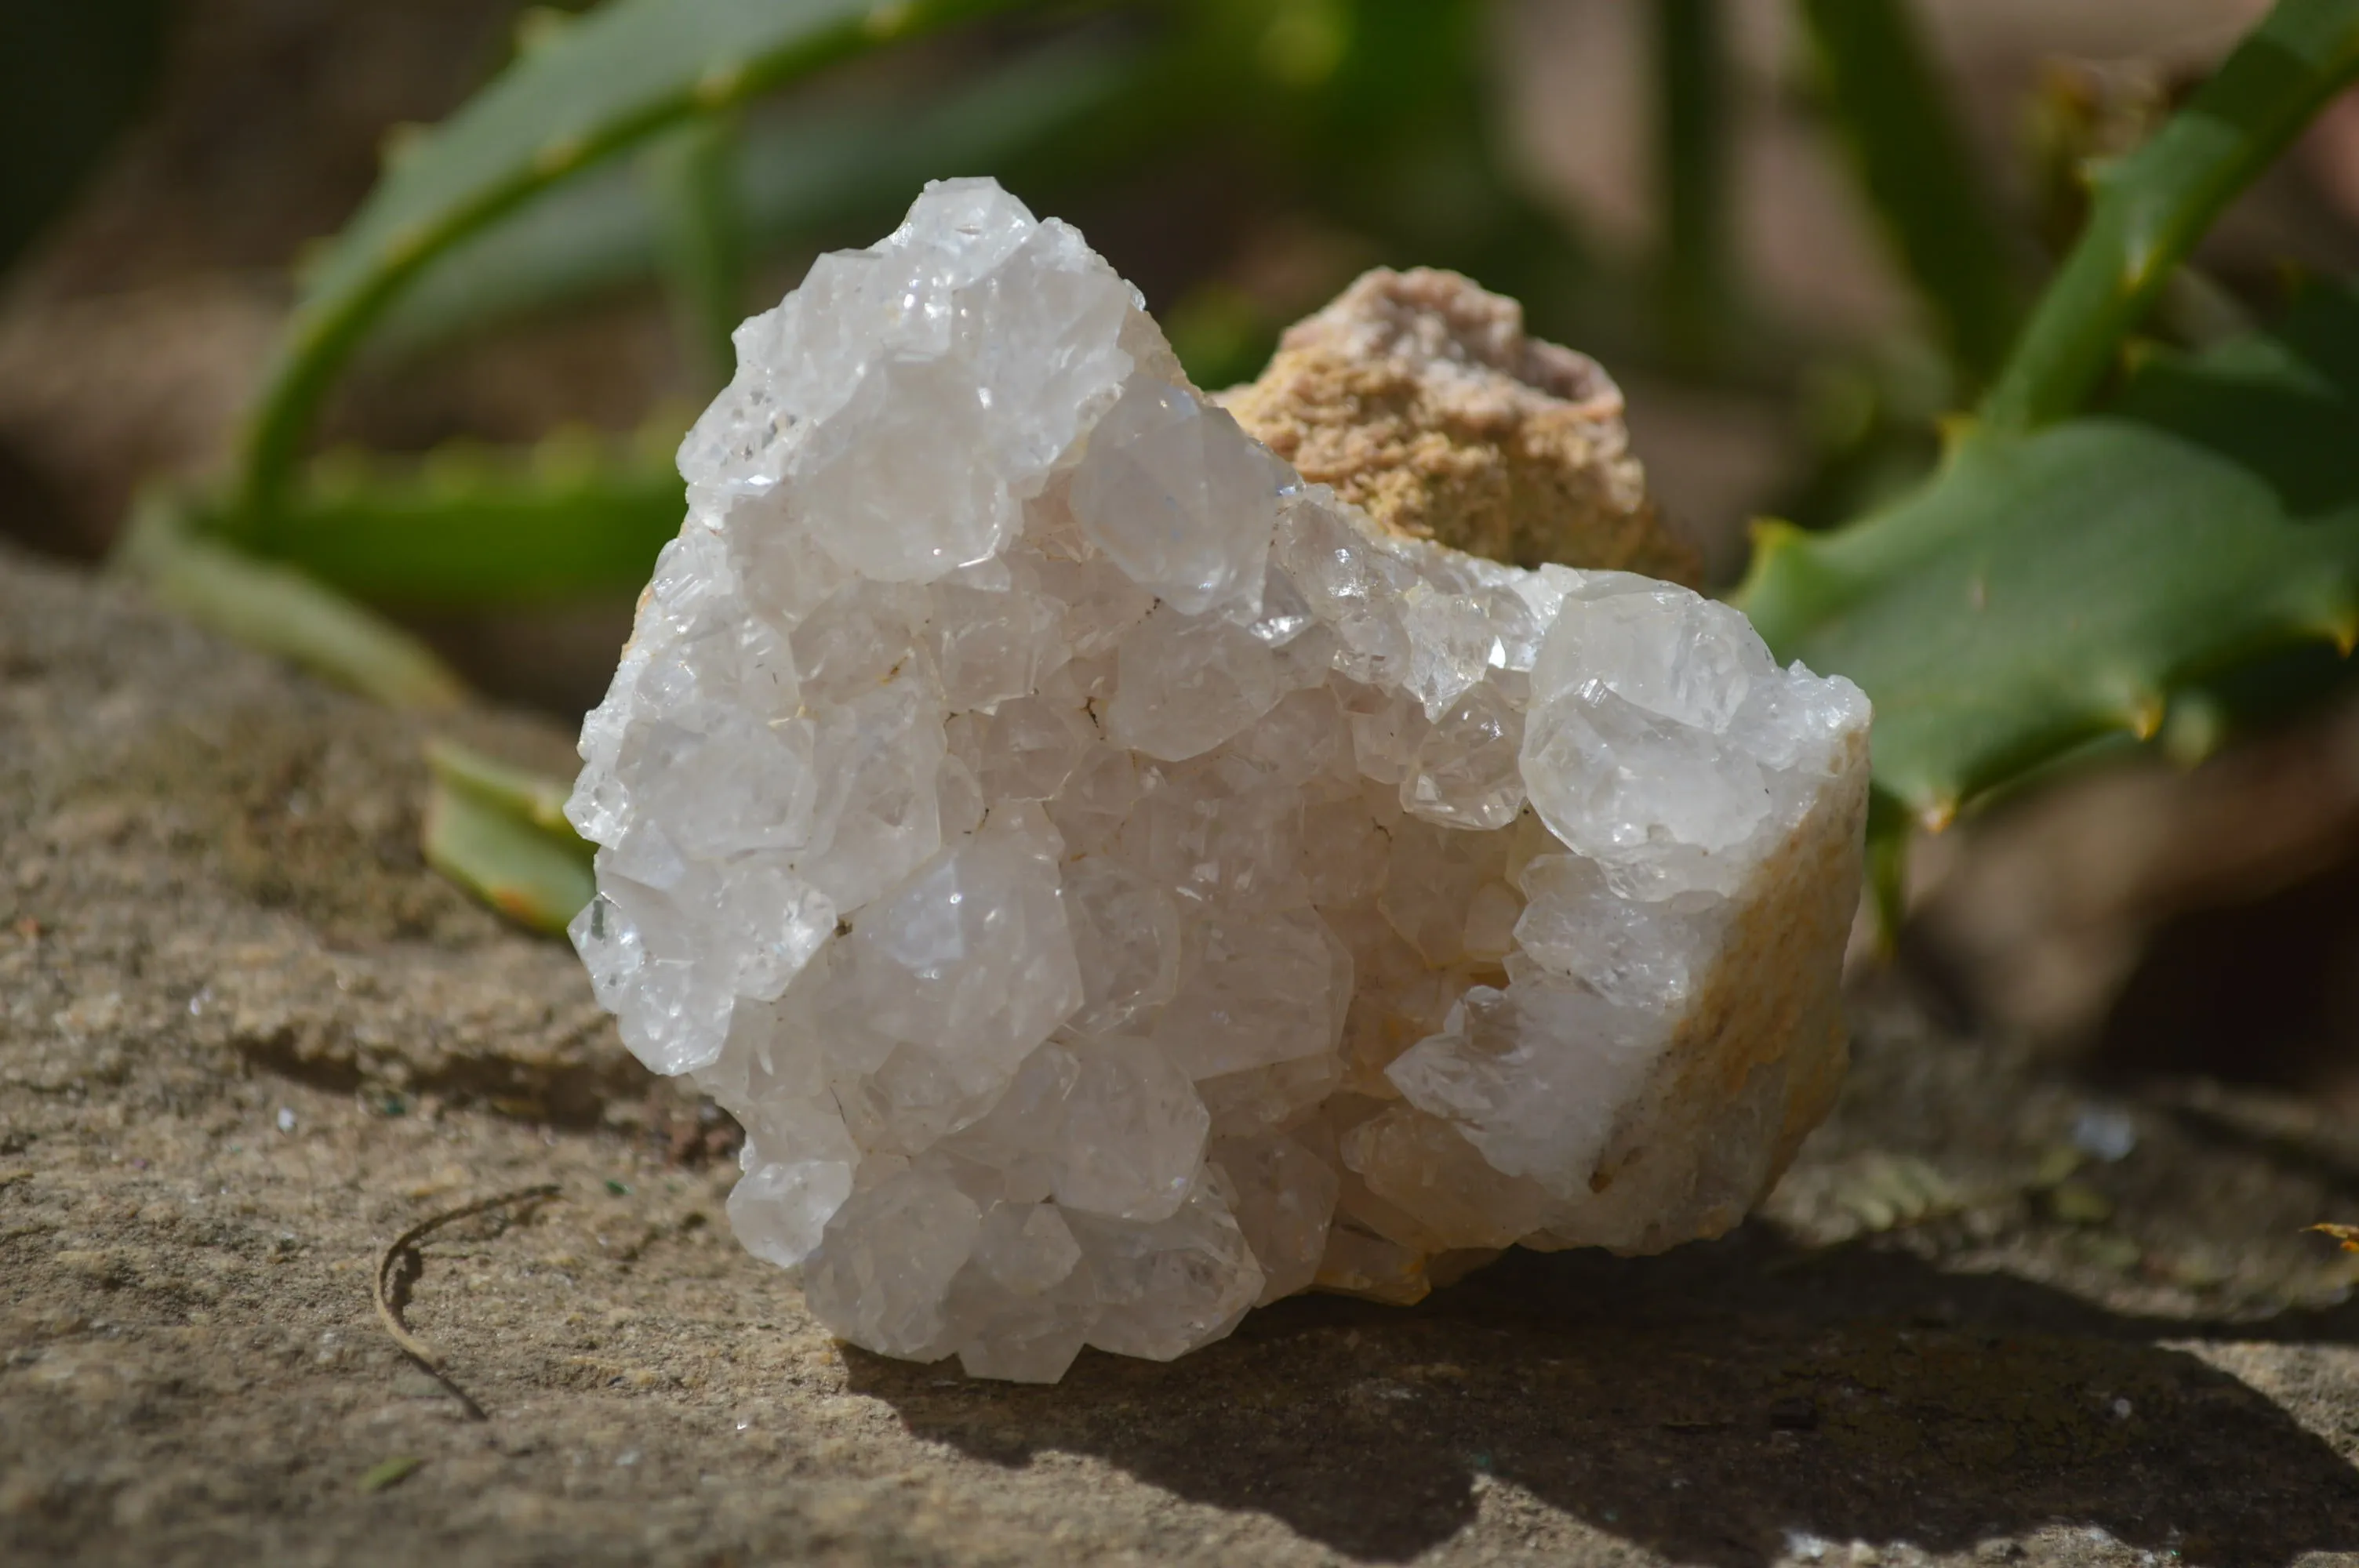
1124, 863
1419, 398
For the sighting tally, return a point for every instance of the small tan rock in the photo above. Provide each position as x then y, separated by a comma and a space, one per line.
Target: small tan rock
1420, 398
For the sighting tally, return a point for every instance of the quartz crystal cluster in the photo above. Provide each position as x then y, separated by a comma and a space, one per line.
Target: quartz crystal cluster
1116, 883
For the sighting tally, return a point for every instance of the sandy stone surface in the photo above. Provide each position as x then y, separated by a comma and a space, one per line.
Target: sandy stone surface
245, 1038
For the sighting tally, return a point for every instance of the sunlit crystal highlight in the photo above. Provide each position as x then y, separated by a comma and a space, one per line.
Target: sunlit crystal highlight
1116, 885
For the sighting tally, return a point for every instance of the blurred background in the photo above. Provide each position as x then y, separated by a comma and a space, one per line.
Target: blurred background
1662, 181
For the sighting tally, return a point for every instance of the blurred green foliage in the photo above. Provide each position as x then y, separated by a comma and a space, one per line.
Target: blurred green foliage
1888, 103
2096, 543
2050, 588
2093, 546
501, 833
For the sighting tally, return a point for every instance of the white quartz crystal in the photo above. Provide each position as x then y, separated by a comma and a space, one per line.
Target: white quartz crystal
1116, 884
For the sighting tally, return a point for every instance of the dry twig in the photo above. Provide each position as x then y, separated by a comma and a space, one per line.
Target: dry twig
388, 1310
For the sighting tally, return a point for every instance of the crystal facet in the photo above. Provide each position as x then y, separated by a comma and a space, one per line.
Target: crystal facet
1115, 882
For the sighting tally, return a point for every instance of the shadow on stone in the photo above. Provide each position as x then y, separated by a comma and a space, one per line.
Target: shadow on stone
1711, 1404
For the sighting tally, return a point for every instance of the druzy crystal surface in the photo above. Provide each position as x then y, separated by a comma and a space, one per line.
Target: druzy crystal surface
1116, 884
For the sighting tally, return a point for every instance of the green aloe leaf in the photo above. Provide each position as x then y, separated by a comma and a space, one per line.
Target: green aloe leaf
628, 70
802, 172
281, 609
2152, 206
472, 527
2062, 579
2046, 588
1887, 98
500, 832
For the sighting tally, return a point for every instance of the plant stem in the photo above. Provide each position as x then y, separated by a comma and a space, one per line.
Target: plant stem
816, 173
2152, 205
1886, 99
691, 178
1692, 130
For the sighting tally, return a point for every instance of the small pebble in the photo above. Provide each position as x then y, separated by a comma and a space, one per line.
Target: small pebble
2105, 1132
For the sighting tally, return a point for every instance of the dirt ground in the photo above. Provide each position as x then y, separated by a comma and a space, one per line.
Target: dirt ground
246, 1038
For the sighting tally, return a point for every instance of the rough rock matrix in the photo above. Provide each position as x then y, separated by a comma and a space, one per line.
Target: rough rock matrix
1116, 883
1420, 400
